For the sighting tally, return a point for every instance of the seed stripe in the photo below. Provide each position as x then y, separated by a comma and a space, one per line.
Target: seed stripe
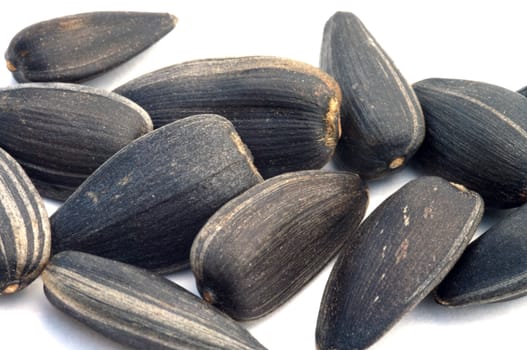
17, 225
483, 105
35, 216
405, 90
135, 307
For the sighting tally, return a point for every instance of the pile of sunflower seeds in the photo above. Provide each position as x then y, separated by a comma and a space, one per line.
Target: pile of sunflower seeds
215, 164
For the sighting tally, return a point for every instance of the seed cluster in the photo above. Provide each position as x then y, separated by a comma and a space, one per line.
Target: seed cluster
215, 164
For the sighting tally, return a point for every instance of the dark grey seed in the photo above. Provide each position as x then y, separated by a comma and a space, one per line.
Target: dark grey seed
145, 205
382, 122
25, 239
60, 133
403, 250
137, 308
492, 268
79, 47
523, 91
476, 136
287, 112
263, 246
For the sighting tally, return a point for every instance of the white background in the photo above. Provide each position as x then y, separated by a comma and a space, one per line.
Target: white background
472, 39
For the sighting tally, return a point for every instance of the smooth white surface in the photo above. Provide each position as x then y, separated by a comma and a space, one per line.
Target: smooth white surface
471, 39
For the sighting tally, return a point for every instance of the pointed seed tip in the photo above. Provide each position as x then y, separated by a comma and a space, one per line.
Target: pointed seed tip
174, 19
397, 162
10, 66
441, 301
208, 296
10, 289
459, 187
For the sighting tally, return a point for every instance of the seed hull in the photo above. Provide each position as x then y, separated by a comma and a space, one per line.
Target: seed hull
137, 308
25, 241
287, 112
79, 47
476, 136
382, 122
493, 268
61, 133
263, 246
145, 205
403, 250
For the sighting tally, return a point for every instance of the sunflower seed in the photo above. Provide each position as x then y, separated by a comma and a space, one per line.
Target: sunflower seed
382, 122
403, 250
79, 47
492, 268
263, 246
476, 136
25, 240
60, 133
137, 308
287, 112
146, 204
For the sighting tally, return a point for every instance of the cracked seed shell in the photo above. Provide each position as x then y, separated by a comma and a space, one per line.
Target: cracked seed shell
145, 204
287, 112
25, 238
263, 246
402, 251
476, 136
493, 268
382, 122
61, 133
79, 47
137, 308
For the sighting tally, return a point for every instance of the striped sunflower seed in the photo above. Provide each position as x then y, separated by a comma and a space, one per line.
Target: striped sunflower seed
137, 308
25, 239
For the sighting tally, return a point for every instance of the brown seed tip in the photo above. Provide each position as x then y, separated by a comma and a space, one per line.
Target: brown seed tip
10, 289
441, 301
10, 66
333, 128
459, 187
174, 19
208, 296
397, 162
